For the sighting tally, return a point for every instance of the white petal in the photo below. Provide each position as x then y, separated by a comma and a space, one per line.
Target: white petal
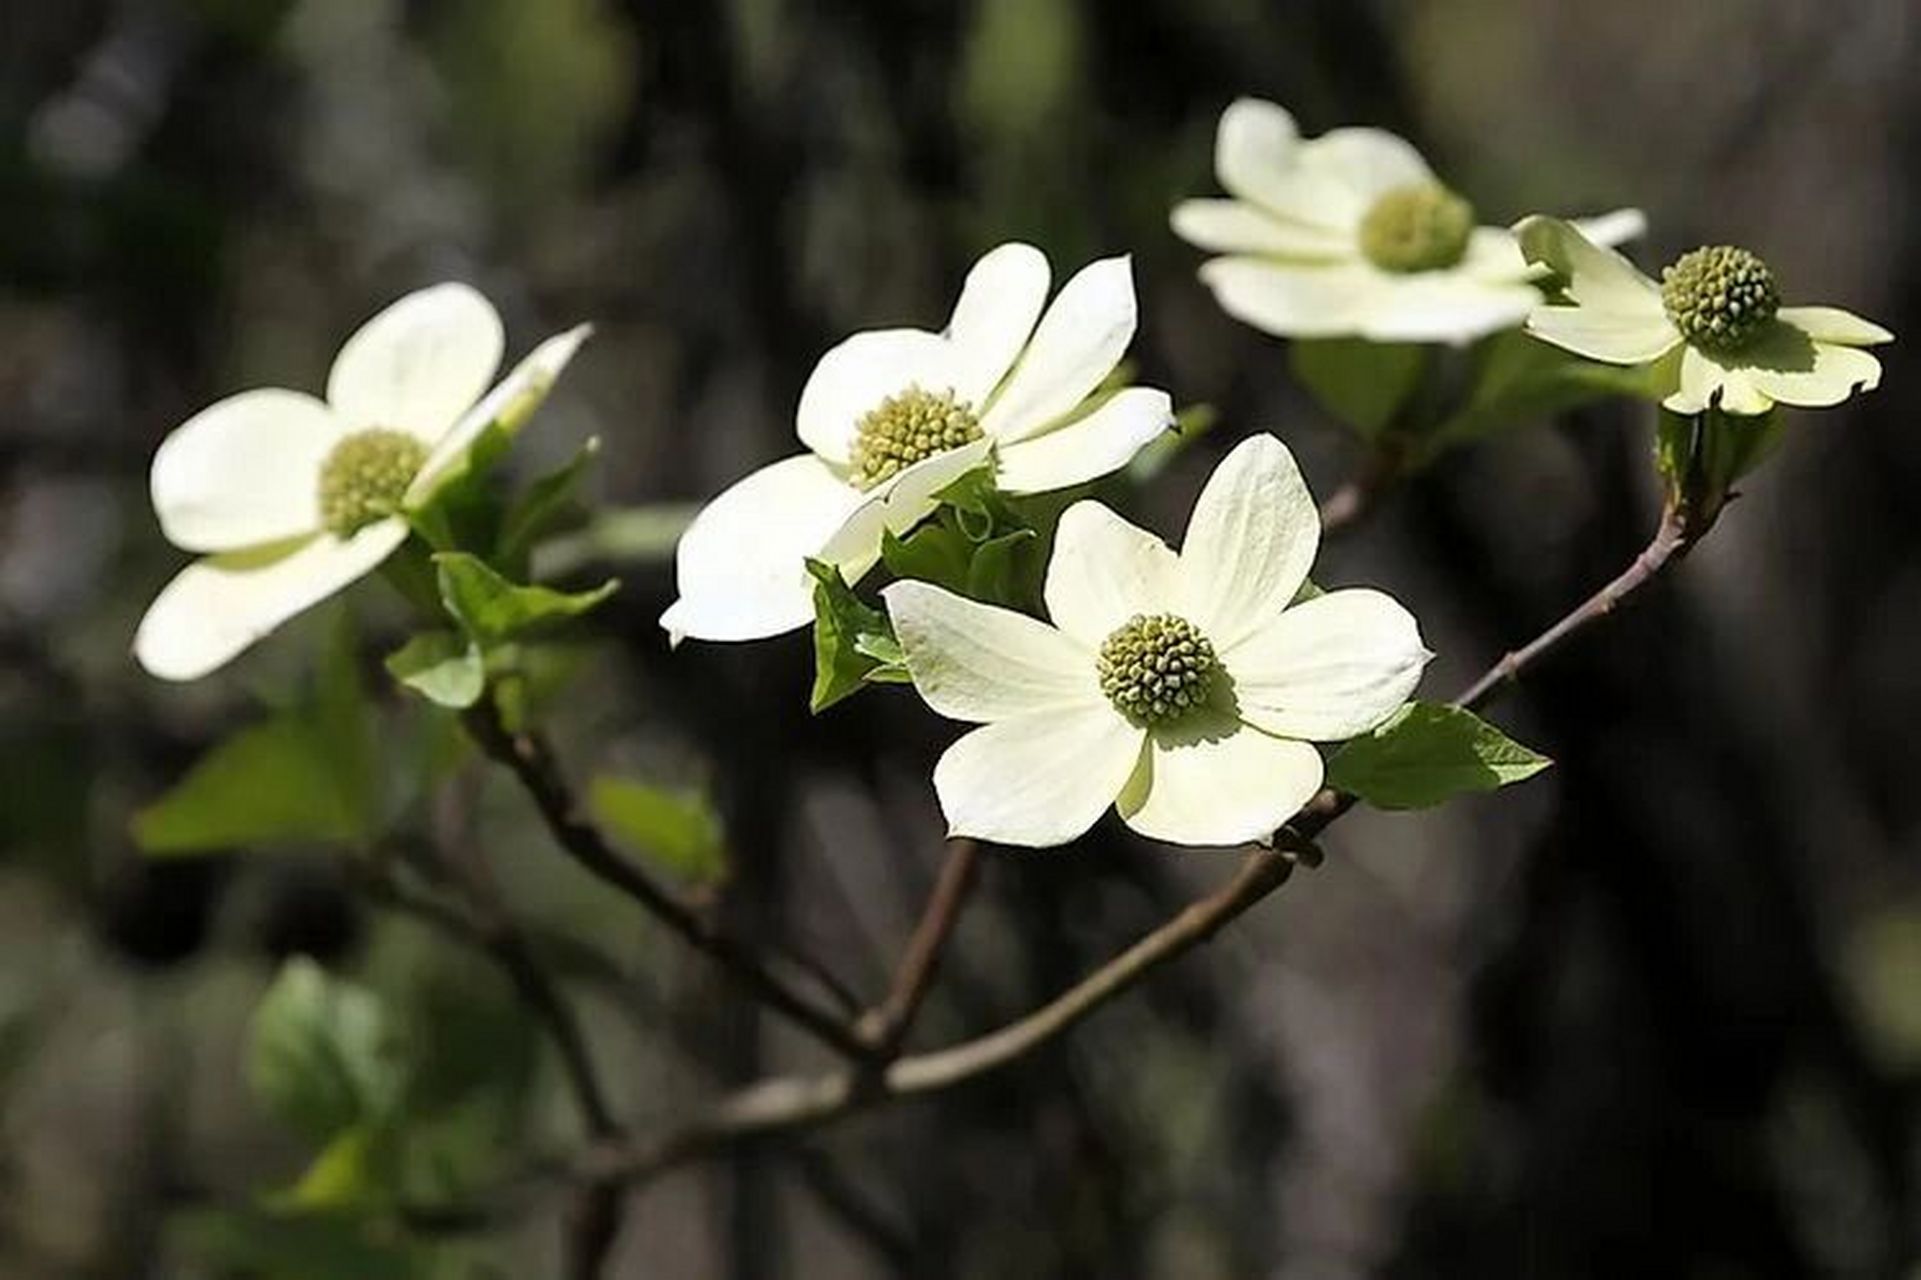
1707, 382
244, 471
1104, 571
857, 375
1617, 226
1493, 253
216, 607
418, 365
1613, 337
1257, 156
740, 565
976, 662
1249, 543
1236, 786
1089, 447
1076, 345
1236, 226
1444, 306
1037, 781
1367, 162
1329, 668
998, 306
516, 397
1832, 324
1294, 300
1595, 276
898, 506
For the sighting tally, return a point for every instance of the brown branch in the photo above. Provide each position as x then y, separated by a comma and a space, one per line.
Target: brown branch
885, 1026
530, 760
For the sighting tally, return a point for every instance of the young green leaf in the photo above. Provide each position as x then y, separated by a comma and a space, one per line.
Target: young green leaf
678, 829
1361, 383
846, 632
274, 783
442, 667
1427, 753
491, 609
548, 504
1518, 379
936, 552
321, 1054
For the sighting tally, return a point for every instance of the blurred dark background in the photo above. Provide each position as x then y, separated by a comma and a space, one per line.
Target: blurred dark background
1655, 1014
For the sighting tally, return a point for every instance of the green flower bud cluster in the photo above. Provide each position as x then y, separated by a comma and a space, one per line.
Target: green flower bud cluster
1423, 227
1157, 668
1719, 297
905, 428
366, 477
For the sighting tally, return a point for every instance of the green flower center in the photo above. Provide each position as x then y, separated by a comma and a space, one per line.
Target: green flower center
903, 429
1422, 227
1719, 297
1156, 669
365, 478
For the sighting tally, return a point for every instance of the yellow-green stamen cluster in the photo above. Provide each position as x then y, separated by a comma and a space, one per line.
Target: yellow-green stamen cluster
903, 429
1423, 227
1719, 297
1157, 668
365, 478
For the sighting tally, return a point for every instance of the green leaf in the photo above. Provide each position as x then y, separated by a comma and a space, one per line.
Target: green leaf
1362, 383
843, 624
356, 1168
1518, 379
442, 667
549, 503
1426, 753
886, 651
935, 552
678, 829
298, 1246
492, 609
274, 783
1005, 570
322, 1055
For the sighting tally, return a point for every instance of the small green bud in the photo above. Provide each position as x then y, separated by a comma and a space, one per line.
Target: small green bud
1157, 669
1719, 297
1423, 227
906, 428
365, 478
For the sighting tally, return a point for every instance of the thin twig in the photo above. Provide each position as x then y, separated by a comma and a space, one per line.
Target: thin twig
530, 760
885, 1026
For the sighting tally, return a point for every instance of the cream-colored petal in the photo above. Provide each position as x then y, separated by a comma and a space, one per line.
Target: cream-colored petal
1615, 227
1612, 337
243, 471
214, 608
979, 663
1832, 324
1236, 226
1706, 382
1367, 162
1792, 368
1257, 156
1037, 781
418, 365
1076, 345
1329, 668
1595, 276
1443, 306
909, 498
996, 313
1104, 571
741, 564
1088, 447
512, 401
1294, 300
862, 371
1494, 253
1249, 543
1227, 785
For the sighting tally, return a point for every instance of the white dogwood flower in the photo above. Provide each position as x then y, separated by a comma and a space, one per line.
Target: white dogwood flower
891, 417
1184, 689
1715, 325
292, 498
1351, 235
